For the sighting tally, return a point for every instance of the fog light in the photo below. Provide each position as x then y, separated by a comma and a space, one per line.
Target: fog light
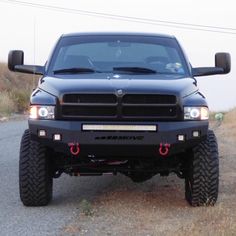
181, 137
41, 133
57, 137
196, 134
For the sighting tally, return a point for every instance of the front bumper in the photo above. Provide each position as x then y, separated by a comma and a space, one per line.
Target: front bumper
119, 143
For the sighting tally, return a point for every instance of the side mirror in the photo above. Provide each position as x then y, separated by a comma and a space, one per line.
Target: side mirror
16, 63
223, 60
15, 57
222, 66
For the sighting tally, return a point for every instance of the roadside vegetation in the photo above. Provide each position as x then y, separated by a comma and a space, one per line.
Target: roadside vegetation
227, 122
229, 125
15, 90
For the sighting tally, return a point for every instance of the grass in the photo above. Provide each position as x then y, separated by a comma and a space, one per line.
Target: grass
7, 105
230, 117
15, 90
86, 207
229, 124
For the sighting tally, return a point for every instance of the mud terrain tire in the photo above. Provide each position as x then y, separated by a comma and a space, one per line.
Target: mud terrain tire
35, 178
202, 179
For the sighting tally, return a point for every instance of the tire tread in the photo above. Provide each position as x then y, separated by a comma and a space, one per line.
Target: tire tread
202, 181
35, 179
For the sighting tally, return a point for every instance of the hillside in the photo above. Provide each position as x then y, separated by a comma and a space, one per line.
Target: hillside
15, 89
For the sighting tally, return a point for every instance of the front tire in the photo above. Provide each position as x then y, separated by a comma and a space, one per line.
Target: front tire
35, 175
202, 179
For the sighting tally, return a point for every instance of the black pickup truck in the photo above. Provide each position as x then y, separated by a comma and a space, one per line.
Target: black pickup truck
118, 102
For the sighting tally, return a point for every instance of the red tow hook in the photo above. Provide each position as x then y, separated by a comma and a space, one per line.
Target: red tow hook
74, 148
164, 149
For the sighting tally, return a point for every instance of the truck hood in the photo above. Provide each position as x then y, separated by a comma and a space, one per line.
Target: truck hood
110, 83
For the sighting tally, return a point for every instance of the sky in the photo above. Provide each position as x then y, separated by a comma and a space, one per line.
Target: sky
36, 30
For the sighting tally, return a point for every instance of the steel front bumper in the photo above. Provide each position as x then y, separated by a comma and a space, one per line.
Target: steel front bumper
176, 136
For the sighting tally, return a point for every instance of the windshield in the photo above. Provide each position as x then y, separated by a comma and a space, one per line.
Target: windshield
117, 54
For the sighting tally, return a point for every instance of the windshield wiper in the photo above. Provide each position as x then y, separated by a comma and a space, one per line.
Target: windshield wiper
140, 70
74, 70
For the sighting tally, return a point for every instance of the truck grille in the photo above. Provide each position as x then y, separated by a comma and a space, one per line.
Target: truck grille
89, 98
113, 107
149, 99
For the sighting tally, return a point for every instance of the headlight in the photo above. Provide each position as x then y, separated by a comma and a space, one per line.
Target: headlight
196, 113
42, 112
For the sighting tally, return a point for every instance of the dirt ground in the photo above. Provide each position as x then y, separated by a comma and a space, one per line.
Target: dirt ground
158, 207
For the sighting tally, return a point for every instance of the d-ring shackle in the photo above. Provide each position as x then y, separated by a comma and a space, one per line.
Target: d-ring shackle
164, 149
74, 148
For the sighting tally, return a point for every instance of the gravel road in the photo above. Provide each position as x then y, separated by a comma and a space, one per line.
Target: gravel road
116, 206
15, 219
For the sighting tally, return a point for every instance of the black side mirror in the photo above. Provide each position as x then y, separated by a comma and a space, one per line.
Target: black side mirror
222, 66
223, 60
15, 57
16, 63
